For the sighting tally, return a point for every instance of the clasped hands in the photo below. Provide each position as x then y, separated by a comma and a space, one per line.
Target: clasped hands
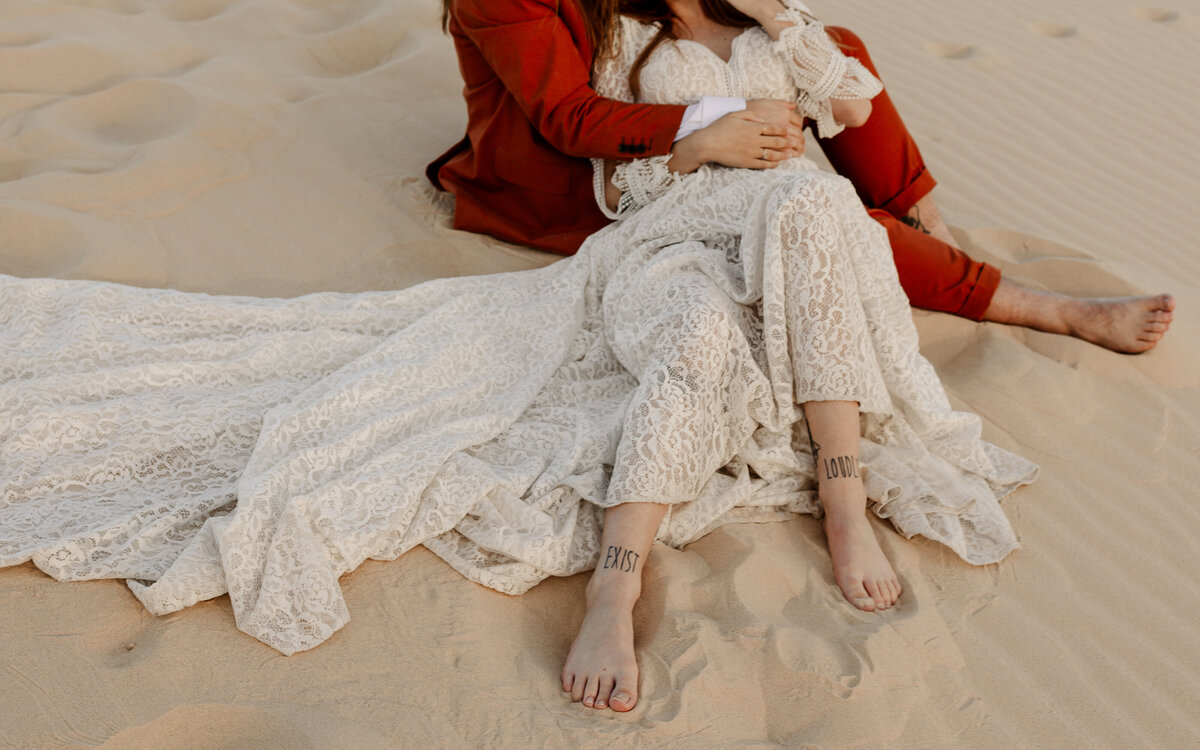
767, 132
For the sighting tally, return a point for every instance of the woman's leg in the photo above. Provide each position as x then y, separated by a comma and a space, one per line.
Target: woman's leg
601, 669
860, 568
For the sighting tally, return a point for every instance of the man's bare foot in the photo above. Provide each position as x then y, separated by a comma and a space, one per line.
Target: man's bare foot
601, 670
860, 568
926, 217
1130, 325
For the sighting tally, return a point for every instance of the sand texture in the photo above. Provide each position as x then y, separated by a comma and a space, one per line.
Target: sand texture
277, 147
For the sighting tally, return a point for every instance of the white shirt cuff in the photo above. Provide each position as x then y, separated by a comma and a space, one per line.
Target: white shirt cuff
707, 111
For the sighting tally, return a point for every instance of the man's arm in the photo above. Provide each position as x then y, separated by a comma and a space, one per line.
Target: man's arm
529, 47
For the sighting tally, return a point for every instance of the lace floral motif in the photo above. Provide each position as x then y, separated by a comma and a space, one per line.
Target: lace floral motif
199, 445
821, 72
641, 182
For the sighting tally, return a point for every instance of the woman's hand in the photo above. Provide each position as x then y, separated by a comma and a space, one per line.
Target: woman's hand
760, 10
758, 137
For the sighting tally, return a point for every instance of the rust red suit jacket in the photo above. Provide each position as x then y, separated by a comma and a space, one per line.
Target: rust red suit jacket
521, 173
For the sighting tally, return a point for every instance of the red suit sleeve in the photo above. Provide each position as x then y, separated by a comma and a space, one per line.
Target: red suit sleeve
531, 50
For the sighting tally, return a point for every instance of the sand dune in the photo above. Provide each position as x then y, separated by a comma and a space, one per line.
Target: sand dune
276, 147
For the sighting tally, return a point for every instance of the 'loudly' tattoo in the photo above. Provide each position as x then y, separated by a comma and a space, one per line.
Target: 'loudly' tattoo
624, 560
840, 467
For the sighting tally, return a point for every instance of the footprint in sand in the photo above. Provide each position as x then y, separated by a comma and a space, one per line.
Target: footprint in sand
360, 48
131, 113
188, 11
1157, 15
950, 50
1054, 30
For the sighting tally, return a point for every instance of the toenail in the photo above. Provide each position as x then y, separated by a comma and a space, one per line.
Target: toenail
599, 704
621, 697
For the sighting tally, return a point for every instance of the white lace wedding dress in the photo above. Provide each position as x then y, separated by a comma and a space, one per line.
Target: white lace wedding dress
198, 445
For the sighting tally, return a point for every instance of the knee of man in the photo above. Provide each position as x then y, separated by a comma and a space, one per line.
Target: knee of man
850, 43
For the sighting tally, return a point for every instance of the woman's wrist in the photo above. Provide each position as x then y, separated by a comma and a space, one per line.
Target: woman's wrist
688, 153
765, 12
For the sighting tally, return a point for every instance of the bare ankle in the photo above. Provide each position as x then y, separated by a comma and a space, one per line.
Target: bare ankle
613, 589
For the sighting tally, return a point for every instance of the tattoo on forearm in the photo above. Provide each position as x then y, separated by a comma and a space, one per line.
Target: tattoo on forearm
915, 221
620, 558
816, 447
840, 467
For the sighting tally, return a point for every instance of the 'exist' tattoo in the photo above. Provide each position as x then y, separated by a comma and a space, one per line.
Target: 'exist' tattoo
624, 560
840, 467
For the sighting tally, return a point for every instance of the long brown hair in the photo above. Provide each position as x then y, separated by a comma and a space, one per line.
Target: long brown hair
657, 11
600, 17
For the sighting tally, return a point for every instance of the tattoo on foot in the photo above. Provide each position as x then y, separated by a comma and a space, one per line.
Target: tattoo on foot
840, 467
620, 558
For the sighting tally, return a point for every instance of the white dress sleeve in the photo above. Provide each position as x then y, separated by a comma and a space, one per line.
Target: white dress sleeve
819, 69
643, 180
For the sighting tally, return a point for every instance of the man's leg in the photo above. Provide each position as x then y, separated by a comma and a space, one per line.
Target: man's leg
883, 161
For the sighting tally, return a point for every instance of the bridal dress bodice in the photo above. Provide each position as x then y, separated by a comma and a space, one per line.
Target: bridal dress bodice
200, 445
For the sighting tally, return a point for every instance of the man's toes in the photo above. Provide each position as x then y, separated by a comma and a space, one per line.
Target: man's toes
567, 680
624, 694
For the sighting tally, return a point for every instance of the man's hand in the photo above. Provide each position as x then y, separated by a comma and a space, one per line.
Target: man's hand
758, 137
781, 119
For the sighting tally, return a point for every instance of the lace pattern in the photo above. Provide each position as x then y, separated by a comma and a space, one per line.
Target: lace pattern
641, 182
821, 72
200, 445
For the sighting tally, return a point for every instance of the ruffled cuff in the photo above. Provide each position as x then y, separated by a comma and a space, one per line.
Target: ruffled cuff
820, 71
641, 182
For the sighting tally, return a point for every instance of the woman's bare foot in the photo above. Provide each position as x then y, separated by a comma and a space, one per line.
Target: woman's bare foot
601, 670
860, 568
1130, 325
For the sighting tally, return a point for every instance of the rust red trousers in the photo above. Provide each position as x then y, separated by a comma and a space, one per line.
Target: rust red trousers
883, 162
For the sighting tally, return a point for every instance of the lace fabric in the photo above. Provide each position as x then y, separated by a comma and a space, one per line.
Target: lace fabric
200, 445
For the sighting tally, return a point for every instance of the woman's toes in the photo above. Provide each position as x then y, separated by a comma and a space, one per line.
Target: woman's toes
876, 594
589, 693
624, 695
606, 688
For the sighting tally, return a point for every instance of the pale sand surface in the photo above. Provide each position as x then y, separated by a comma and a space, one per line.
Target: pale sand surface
276, 147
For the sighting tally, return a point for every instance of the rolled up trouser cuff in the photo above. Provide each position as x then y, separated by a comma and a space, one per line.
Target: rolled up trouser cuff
936, 275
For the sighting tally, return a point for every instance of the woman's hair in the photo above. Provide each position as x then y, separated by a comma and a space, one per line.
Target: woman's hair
657, 11
600, 15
